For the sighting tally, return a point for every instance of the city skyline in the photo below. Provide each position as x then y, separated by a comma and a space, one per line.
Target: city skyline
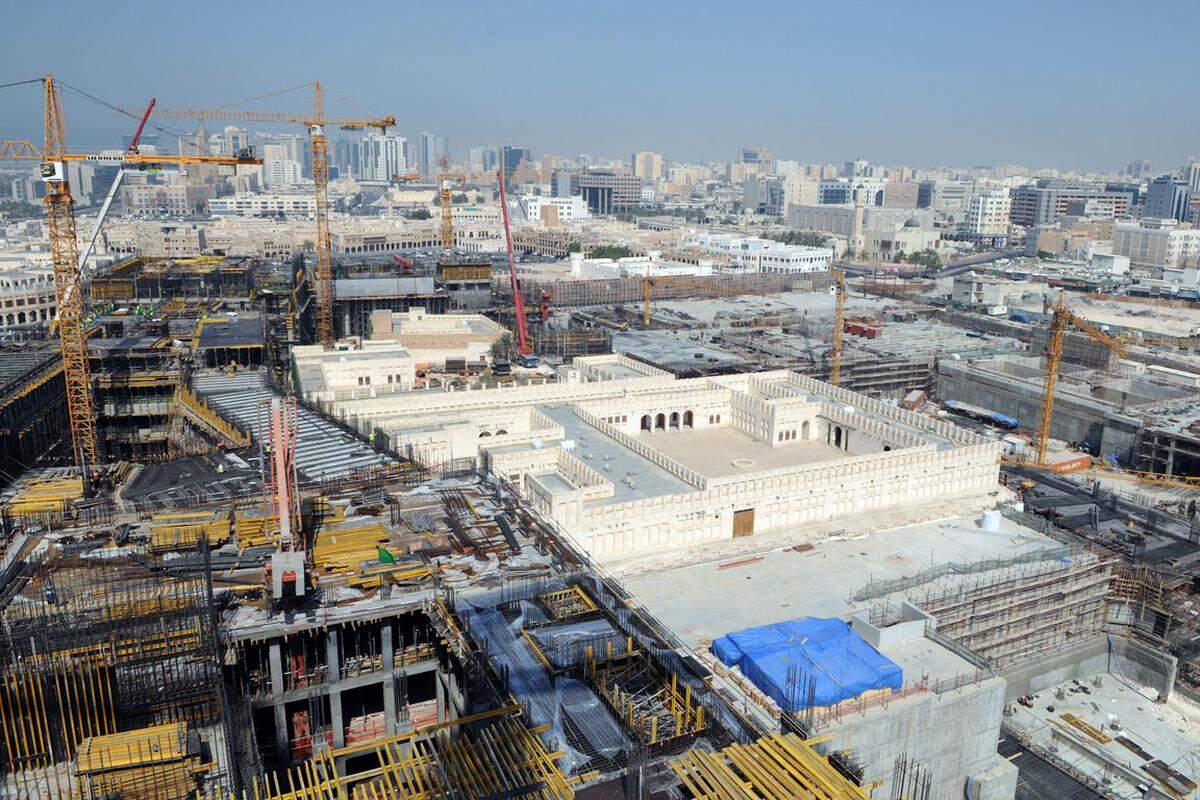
936, 85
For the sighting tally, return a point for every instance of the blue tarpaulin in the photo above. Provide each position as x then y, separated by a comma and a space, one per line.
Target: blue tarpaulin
825, 650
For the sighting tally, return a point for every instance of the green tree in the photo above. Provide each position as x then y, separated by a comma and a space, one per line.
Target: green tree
17, 209
420, 213
574, 247
611, 251
458, 197
925, 258
502, 348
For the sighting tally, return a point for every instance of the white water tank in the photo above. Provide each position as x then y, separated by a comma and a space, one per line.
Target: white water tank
991, 521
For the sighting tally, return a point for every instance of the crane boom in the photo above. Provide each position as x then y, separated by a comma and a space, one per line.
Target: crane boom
112, 190
315, 123
66, 259
1062, 317
523, 347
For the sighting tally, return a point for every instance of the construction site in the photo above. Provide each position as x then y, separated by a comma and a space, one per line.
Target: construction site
408, 527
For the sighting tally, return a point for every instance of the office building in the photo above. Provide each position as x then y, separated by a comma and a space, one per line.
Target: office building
430, 149
1041, 205
647, 166
553, 210
513, 157
756, 159
607, 191
1167, 198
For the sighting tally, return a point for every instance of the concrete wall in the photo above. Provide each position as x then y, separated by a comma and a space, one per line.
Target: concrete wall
953, 735
1096, 656
1075, 418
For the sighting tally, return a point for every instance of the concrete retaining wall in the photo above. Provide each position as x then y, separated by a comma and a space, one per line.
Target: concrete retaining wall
1113, 654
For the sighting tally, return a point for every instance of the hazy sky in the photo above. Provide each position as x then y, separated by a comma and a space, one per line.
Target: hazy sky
1090, 84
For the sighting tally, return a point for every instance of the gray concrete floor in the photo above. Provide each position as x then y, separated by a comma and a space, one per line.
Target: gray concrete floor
702, 601
1170, 732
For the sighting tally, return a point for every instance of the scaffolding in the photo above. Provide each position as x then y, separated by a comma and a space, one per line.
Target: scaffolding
775, 767
99, 661
611, 291
1018, 608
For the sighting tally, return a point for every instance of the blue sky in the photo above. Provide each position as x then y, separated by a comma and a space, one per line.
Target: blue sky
1072, 84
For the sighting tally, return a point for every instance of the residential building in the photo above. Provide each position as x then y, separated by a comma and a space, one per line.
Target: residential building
1159, 243
839, 219
264, 205
648, 166
381, 157
763, 194
900, 194
1167, 198
608, 191
988, 212
483, 159
800, 190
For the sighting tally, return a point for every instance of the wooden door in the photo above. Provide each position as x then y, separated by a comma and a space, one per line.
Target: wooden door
743, 522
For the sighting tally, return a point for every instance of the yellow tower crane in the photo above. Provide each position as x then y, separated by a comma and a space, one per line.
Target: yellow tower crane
315, 124
64, 250
839, 322
1058, 328
446, 201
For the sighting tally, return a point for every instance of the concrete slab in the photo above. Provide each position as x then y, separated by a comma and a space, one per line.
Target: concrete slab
703, 601
1168, 732
717, 452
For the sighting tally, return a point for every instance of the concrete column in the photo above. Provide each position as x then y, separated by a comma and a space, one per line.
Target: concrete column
333, 664
455, 707
389, 677
275, 654
440, 694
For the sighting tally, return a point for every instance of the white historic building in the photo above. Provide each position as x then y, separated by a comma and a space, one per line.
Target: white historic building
627, 458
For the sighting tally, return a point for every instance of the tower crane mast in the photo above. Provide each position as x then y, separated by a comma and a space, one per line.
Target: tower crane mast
315, 123
1061, 318
64, 249
839, 322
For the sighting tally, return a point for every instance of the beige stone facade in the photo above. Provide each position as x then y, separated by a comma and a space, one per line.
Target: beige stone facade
626, 459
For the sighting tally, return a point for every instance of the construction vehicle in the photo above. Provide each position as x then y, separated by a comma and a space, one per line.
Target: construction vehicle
1058, 326
315, 123
66, 257
405, 264
839, 321
524, 350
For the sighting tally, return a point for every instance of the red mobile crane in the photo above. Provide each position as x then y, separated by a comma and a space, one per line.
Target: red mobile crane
525, 356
